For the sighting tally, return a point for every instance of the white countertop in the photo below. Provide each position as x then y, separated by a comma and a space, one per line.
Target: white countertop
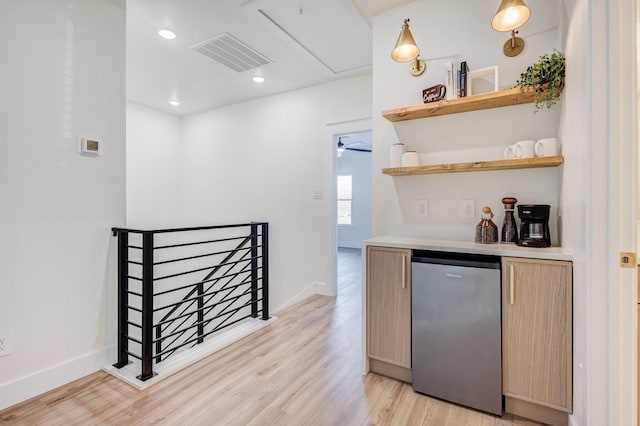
511, 250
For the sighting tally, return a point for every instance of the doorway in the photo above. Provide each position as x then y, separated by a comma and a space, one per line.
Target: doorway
354, 138
353, 212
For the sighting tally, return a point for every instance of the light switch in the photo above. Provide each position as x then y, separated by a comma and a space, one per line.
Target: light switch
317, 194
422, 208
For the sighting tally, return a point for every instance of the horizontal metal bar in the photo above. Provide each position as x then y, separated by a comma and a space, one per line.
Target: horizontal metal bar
133, 308
205, 307
219, 327
135, 355
196, 339
235, 274
193, 291
135, 247
195, 228
202, 295
202, 255
133, 339
134, 324
229, 314
205, 242
204, 269
134, 278
134, 262
224, 312
134, 293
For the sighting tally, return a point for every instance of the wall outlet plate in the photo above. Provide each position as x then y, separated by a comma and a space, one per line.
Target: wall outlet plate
422, 208
6, 342
467, 209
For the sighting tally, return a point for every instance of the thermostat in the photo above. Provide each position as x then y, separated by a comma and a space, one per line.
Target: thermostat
89, 146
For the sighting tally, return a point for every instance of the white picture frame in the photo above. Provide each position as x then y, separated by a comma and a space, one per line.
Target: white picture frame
485, 74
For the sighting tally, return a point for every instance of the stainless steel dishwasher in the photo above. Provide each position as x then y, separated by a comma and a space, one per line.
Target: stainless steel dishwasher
456, 330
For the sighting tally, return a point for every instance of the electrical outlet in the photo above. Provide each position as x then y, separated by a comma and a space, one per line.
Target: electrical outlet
6, 342
317, 194
467, 209
422, 208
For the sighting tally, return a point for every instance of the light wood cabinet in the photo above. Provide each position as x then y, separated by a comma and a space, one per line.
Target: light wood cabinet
389, 311
537, 336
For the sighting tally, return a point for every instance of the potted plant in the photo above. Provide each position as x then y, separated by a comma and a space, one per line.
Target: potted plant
546, 78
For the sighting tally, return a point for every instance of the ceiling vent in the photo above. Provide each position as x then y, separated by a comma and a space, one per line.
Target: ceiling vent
231, 52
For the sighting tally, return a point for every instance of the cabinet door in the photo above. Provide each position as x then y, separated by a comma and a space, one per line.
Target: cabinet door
536, 330
389, 305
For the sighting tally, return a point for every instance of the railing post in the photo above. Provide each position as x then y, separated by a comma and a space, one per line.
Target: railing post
254, 270
200, 316
123, 299
265, 271
147, 306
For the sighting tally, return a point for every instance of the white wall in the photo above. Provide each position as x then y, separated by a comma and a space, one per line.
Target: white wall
153, 167
63, 75
261, 160
358, 165
442, 31
575, 132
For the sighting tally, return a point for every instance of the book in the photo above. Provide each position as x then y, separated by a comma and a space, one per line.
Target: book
458, 85
463, 78
450, 87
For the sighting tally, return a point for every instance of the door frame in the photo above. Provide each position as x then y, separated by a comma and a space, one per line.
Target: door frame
612, 211
334, 131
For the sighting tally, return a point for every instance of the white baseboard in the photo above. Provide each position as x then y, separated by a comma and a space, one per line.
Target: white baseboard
572, 420
323, 288
311, 290
350, 244
42, 381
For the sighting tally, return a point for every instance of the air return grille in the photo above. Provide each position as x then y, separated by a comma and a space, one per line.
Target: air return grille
231, 52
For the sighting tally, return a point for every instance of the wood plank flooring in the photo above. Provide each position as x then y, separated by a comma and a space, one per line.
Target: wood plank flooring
303, 369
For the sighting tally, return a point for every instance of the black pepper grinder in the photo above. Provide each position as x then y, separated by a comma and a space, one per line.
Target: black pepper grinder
509, 228
486, 230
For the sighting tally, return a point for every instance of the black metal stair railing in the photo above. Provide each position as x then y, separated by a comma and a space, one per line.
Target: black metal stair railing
164, 307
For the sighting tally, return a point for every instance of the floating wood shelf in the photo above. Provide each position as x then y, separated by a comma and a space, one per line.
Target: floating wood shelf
490, 100
476, 166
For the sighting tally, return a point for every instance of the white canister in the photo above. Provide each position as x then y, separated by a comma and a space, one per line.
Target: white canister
410, 159
397, 149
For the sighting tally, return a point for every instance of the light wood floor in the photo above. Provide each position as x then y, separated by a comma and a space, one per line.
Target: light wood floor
304, 369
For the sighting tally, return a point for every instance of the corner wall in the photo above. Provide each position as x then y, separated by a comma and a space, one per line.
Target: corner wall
260, 160
63, 76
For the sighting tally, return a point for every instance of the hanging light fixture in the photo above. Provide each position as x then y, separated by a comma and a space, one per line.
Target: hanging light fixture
406, 50
511, 15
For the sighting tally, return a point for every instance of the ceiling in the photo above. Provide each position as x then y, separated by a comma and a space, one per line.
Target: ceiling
307, 42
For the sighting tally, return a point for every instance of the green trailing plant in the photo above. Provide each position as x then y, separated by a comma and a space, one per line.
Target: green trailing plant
546, 78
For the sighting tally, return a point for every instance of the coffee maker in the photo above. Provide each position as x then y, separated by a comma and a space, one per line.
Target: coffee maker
534, 228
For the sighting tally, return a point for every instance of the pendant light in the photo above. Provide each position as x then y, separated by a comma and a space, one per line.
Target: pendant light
511, 14
406, 50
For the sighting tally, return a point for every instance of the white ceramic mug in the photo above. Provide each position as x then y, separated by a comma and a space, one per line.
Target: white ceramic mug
523, 149
546, 147
509, 151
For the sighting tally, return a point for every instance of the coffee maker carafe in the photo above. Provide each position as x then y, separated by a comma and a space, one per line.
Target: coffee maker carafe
534, 228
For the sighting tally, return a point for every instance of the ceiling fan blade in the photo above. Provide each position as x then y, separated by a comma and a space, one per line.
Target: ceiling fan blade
357, 149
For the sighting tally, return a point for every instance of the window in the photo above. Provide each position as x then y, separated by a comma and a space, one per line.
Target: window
344, 200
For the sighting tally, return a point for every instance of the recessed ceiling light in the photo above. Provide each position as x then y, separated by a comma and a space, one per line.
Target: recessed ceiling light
174, 103
258, 79
168, 34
